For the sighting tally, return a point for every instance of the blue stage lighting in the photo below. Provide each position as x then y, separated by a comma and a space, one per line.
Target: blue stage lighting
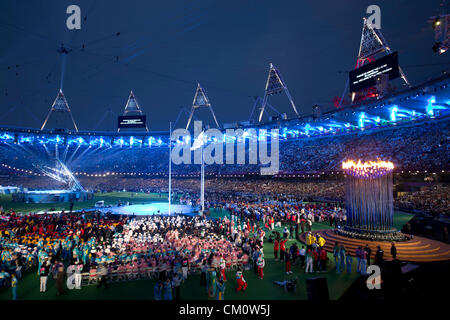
120, 142
261, 136
394, 111
6, 137
307, 129
26, 139
362, 116
430, 108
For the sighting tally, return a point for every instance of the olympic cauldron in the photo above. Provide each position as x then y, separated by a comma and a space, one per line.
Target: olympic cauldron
369, 201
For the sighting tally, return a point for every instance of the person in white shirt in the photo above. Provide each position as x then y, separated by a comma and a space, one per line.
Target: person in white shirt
302, 253
309, 223
78, 270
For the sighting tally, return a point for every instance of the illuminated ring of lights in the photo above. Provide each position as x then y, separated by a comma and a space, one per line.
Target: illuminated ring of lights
369, 169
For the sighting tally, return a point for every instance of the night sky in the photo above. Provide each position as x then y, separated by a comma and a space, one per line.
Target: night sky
166, 47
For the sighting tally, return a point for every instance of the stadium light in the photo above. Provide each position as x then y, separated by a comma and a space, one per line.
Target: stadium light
430, 105
394, 111
362, 116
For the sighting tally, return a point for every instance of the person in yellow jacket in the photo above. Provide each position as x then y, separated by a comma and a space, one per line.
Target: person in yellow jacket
310, 239
321, 241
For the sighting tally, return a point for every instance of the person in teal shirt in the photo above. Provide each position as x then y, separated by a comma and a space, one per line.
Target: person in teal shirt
4, 277
157, 290
56, 245
74, 254
336, 254
212, 289
40, 244
64, 249
69, 249
110, 259
14, 282
41, 257
349, 260
31, 260
168, 290
220, 289
86, 251
210, 279
342, 253
6, 256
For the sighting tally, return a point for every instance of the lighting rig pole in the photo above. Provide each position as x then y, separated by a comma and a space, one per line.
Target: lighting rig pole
199, 143
202, 183
170, 166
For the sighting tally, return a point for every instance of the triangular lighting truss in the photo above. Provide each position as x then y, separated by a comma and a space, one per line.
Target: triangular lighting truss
274, 85
60, 105
201, 101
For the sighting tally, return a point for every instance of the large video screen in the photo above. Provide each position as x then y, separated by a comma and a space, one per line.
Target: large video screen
131, 122
365, 76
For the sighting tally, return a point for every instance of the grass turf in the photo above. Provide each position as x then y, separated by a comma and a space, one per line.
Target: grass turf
110, 198
28, 288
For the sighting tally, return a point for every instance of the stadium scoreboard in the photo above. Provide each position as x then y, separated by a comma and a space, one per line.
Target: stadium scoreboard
131, 122
366, 76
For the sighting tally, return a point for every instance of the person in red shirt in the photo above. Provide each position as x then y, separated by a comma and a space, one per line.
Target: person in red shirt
316, 259
242, 284
288, 263
260, 263
282, 248
276, 246
323, 260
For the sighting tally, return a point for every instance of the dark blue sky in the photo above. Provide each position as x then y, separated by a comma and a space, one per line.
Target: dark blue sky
165, 47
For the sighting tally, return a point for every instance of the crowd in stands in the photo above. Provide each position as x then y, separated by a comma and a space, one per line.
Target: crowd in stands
413, 147
434, 200
424, 147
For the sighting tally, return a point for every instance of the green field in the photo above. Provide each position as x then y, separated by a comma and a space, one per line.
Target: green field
143, 289
111, 198
28, 288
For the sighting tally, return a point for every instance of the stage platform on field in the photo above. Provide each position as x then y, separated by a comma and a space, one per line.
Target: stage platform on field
51, 196
150, 209
418, 249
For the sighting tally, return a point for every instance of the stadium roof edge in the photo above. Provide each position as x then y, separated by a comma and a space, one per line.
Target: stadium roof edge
274, 124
